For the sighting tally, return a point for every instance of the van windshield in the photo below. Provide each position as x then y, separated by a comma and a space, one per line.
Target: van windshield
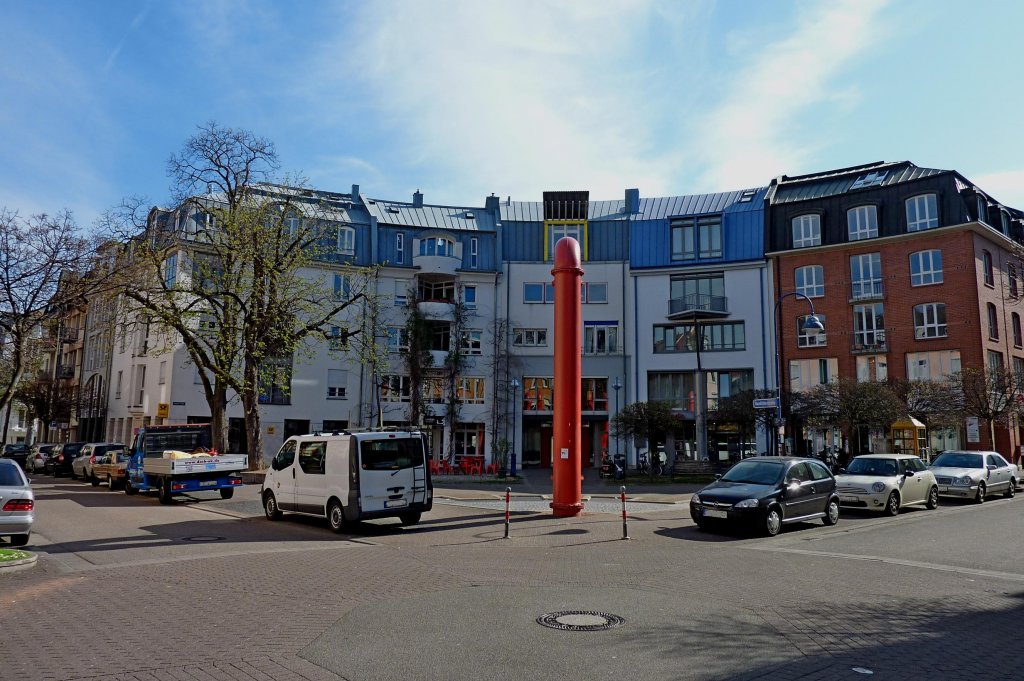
391, 454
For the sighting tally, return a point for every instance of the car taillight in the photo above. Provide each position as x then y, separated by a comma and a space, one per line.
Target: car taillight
60, 458
19, 505
92, 459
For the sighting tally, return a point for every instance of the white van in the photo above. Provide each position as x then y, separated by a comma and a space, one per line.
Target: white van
351, 476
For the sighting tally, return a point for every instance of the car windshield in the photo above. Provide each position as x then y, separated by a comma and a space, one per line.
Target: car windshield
879, 467
10, 476
959, 460
756, 472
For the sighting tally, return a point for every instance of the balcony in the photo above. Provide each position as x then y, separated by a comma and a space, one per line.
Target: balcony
438, 358
437, 309
698, 305
863, 291
65, 372
69, 335
868, 343
436, 256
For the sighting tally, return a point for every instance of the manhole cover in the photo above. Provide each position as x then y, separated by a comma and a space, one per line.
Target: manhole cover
580, 620
202, 538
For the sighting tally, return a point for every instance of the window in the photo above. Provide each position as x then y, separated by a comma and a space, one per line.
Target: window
593, 292
868, 325
930, 321
871, 179
982, 208
439, 336
395, 389
275, 380
346, 241
810, 280
530, 337
705, 291
433, 390
437, 246
922, 213
471, 390
312, 456
866, 276
342, 287
468, 440
986, 264
862, 222
400, 247
117, 389
872, 368
171, 270
292, 223
1011, 279
538, 292
337, 340
436, 291
673, 387
1018, 369
474, 253
557, 232
469, 297
806, 231
806, 339
995, 362
538, 393
594, 394
716, 336
140, 384
805, 374
993, 321
926, 268
398, 339
1004, 218
401, 293
932, 366
472, 342
161, 378
698, 237
600, 338
1017, 340
724, 384
337, 382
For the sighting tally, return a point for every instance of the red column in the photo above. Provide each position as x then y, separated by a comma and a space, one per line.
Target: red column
566, 473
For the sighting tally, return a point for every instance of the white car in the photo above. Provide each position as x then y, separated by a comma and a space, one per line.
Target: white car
17, 503
887, 483
974, 475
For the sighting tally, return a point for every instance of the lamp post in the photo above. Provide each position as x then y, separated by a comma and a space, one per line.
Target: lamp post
813, 326
617, 386
515, 389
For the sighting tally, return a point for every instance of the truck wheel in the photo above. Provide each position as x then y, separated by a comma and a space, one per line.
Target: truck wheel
410, 518
335, 516
165, 492
270, 506
227, 492
128, 489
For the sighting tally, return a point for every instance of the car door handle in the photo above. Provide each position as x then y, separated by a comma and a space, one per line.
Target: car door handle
812, 489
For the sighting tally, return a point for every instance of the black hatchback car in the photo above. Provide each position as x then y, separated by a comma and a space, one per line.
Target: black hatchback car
767, 492
17, 452
60, 459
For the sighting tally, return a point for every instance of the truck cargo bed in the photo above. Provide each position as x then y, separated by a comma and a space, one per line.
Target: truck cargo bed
225, 463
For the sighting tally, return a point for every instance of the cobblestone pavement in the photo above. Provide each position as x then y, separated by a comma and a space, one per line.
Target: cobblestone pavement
450, 599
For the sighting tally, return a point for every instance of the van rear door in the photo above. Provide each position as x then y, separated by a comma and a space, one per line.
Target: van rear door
391, 471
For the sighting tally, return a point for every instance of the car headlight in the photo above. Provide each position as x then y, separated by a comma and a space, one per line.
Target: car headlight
964, 481
695, 499
878, 487
747, 503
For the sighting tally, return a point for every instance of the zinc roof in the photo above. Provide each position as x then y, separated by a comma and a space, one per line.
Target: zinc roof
430, 217
652, 208
840, 181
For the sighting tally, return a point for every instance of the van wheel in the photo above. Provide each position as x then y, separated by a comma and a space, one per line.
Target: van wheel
270, 507
410, 518
335, 516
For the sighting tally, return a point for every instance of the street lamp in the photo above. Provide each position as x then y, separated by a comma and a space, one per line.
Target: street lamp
813, 326
617, 386
515, 388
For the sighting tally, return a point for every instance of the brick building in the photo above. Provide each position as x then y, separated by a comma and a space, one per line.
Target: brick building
915, 272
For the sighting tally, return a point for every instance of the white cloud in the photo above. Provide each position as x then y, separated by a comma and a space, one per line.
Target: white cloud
1007, 187
757, 132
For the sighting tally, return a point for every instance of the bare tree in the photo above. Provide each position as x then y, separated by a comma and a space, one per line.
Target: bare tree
851, 405
989, 395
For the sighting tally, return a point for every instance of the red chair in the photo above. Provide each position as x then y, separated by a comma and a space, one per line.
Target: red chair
492, 468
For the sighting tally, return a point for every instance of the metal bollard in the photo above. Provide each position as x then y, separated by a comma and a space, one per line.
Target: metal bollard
508, 500
622, 495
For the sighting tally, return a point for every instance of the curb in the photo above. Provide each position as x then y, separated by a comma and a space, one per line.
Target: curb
22, 564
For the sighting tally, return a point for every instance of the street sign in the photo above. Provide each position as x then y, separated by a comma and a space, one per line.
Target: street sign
766, 403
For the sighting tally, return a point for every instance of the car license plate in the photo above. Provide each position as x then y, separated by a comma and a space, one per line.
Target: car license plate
849, 498
208, 483
943, 488
709, 513
396, 503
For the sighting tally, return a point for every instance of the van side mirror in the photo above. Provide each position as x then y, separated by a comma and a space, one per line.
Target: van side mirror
273, 464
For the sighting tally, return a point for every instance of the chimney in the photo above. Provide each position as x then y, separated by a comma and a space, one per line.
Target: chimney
491, 204
417, 199
355, 192
632, 201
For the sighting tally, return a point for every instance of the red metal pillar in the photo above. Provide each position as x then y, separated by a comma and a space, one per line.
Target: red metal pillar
566, 472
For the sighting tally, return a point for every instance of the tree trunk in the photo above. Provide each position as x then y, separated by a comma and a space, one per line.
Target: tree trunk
253, 428
218, 417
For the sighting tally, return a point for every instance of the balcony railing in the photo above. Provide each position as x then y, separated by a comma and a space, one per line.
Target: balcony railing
65, 373
868, 342
866, 290
698, 305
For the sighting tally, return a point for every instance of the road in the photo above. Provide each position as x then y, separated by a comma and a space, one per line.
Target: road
200, 590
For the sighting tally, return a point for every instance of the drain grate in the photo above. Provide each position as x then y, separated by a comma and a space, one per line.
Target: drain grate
580, 620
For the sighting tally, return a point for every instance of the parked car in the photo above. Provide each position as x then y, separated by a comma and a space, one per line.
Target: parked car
16, 452
768, 492
887, 483
109, 463
974, 475
61, 458
17, 503
37, 457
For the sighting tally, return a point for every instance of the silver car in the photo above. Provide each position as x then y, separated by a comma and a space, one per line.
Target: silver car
17, 503
887, 483
974, 475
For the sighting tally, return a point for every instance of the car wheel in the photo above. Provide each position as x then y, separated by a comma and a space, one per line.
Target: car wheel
74, 475
410, 518
110, 482
701, 523
270, 508
20, 539
227, 492
892, 504
335, 516
773, 521
979, 498
933, 498
1012, 489
831, 513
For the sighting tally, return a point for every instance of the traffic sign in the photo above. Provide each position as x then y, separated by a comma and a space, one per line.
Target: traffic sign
766, 403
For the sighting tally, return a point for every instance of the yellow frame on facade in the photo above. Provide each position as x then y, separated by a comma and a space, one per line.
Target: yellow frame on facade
584, 224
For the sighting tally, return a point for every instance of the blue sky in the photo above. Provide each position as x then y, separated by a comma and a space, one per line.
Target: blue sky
464, 98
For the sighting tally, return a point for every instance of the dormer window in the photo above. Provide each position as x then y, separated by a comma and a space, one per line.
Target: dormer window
922, 212
346, 241
807, 230
1005, 218
862, 222
872, 179
437, 246
292, 223
982, 208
